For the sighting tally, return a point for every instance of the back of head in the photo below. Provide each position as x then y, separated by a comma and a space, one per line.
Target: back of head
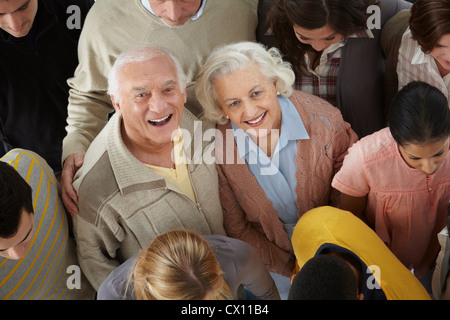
419, 113
179, 265
429, 21
324, 277
15, 195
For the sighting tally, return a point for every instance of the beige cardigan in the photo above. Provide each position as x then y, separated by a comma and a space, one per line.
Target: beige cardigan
123, 205
250, 216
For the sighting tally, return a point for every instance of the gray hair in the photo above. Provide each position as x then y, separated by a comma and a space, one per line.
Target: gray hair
230, 58
140, 54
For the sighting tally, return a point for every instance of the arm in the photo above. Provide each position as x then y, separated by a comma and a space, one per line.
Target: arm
253, 274
89, 105
351, 184
68, 194
239, 227
96, 250
355, 205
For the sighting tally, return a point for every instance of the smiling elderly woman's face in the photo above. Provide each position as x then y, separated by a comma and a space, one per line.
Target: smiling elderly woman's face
249, 99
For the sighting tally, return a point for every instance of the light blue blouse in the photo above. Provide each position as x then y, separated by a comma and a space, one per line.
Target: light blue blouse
276, 175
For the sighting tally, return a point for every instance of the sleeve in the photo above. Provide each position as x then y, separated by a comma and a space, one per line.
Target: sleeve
107, 291
253, 274
96, 250
351, 178
119, 284
344, 139
237, 226
89, 105
440, 282
405, 72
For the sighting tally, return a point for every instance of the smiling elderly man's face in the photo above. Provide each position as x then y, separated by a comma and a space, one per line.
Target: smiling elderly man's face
151, 103
17, 16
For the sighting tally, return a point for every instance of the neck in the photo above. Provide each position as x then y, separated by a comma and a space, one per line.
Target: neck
267, 143
150, 153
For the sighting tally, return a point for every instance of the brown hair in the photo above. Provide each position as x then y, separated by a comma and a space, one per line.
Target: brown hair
429, 21
179, 265
340, 15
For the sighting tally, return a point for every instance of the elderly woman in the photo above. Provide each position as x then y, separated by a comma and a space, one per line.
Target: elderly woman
277, 150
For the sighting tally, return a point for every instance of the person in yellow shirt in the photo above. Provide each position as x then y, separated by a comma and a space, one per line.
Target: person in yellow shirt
379, 275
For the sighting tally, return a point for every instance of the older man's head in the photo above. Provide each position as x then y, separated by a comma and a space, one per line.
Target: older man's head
148, 90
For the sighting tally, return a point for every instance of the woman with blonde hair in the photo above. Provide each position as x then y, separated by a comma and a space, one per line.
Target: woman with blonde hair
182, 265
276, 149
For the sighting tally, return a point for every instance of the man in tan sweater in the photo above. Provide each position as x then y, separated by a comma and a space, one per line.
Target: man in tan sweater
141, 175
190, 29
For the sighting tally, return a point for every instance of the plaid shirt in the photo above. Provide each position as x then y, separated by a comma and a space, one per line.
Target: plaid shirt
322, 80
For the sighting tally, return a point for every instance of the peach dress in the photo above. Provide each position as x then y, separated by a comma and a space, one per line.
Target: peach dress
405, 207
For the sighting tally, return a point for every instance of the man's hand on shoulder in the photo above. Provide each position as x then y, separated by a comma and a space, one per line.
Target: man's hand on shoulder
69, 195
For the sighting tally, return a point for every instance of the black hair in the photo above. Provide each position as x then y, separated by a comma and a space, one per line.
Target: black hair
419, 113
324, 277
343, 16
15, 195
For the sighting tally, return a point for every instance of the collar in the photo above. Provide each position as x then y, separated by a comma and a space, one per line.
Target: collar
292, 128
147, 6
131, 174
419, 57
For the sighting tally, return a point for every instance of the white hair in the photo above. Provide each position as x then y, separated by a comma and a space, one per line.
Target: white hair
230, 58
140, 54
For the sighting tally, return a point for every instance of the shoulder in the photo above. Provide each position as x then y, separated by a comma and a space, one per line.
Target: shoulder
377, 146
25, 160
390, 8
393, 30
234, 4
103, 12
312, 108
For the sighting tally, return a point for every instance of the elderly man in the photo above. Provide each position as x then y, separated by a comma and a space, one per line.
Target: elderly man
188, 28
142, 175
38, 52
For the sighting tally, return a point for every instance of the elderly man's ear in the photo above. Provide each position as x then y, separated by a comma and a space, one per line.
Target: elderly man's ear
116, 105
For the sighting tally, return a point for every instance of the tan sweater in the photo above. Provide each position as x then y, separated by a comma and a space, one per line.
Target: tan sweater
250, 216
123, 205
114, 26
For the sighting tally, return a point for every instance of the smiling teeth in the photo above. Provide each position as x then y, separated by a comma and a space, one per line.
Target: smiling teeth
160, 120
257, 120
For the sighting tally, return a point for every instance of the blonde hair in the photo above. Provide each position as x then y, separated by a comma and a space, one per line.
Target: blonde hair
179, 265
230, 58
